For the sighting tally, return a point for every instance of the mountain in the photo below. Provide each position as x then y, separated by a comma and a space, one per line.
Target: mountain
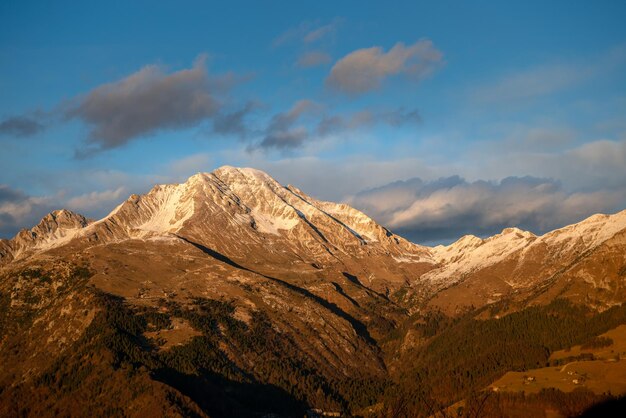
247, 216
232, 295
583, 262
54, 229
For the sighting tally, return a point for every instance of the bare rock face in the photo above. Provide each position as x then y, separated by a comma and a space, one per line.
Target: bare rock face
55, 225
5, 250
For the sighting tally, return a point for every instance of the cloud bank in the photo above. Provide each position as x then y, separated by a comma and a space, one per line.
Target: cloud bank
446, 209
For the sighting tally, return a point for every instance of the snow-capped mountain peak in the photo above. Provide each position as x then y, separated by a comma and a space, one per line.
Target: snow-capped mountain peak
247, 215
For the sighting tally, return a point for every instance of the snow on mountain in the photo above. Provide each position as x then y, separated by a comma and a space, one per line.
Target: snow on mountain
54, 229
519, 250
587, 234
472, 253
247, 215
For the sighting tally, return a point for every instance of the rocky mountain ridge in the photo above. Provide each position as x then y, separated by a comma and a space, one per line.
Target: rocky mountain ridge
243, 214
247, 216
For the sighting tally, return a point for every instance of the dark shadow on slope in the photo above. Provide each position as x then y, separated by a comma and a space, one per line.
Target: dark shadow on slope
608, 409
313, 227
340, 290
352, 231
353, 279
357, 325
216, 255
221, 397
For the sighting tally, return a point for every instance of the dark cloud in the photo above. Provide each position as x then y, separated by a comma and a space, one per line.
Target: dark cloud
448, 208
20, 126
9, 195
365, 69
234, 123
399, 117
146, 102
307, 120
285, 139
283, 131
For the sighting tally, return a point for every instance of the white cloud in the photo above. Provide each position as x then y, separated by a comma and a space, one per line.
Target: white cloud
17, 210
96, 201
589, 166
529, 83
448, 208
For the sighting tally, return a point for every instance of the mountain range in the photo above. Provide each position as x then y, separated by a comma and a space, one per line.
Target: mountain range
232, 295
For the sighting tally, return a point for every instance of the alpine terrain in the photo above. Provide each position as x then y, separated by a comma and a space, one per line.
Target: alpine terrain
231, 295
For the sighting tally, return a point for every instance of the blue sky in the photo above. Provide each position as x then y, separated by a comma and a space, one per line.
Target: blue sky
436, 119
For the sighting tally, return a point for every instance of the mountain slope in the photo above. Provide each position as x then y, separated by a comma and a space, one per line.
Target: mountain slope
230, 294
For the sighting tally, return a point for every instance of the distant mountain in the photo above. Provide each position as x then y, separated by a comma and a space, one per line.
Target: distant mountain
232, 295
53, 230
583, 262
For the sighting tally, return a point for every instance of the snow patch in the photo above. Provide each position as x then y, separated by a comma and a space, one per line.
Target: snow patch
173, 208
272, 225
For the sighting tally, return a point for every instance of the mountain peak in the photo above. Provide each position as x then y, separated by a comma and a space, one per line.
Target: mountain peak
226, 169
246, 215
57, 226
198, 177
243, 175
518, 232
58, 219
